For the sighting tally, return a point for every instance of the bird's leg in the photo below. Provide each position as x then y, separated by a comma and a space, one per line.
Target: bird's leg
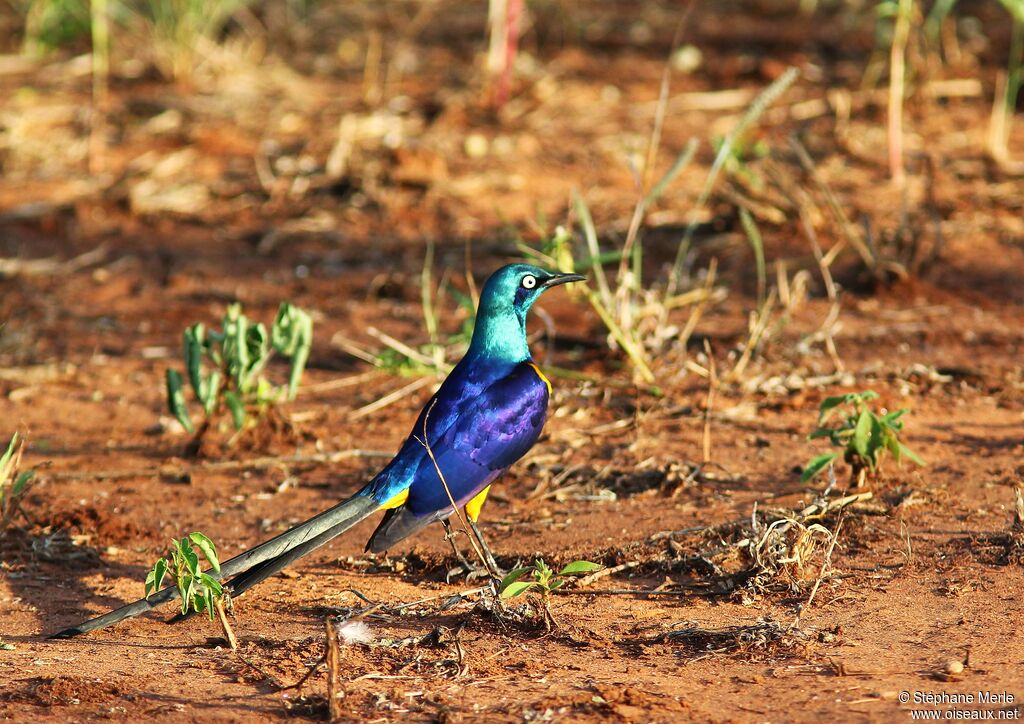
464, 568
492, 565
449, 535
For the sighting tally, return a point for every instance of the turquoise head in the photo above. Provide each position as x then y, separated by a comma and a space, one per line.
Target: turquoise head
500, 331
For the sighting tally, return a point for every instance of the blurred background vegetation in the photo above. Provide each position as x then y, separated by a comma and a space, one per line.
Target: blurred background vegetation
690, 144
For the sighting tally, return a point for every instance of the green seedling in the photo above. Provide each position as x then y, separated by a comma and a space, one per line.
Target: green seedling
225, 366
14, 483
864, 436
198, 590
542, 579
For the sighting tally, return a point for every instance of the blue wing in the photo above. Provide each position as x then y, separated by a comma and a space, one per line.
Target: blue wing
476, 432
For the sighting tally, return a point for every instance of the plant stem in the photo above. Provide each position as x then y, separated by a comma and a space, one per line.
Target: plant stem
712, 388
195, 446
335, 692
632, 350
225, 624
549, 619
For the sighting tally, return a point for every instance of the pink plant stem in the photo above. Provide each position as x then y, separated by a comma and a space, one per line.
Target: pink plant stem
513, 14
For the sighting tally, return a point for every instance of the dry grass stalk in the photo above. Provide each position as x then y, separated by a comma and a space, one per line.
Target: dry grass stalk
759, 320
897, 75
849, 232
760, 104
787, 546
393, 397
1018, 516
372, 90
51, 266
335, 690
762, 635
405, 349
698, 311
605, 572
712, 389
826, 565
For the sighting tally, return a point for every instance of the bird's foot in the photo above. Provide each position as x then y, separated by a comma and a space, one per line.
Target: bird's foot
467, 572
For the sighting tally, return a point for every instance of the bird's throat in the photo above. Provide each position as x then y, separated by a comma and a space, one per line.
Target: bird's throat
500, 335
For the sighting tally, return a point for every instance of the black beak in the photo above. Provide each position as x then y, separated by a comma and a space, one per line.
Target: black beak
557, 279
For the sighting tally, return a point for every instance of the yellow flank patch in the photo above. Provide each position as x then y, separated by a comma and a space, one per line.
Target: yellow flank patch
473, 507
541, 375
395, 500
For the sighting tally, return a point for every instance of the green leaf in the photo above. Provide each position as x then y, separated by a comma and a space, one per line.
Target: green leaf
829, 404
236, 351
155, 578
205, 545
211, 584
189, 556
913, 456
518, 588
757, 245
816, 465
893, 446
886, 10
176, 400
298, 365
892, 417
237, 409
862, 434
184, 583
212, 389
292, 336
681, 162
820, 433
257, 343
5, 459
580, 567
876, 443
22, 480
463, 300
513, 576
266, 392
193, 344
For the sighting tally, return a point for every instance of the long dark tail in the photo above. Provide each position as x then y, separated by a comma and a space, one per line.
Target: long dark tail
256, 564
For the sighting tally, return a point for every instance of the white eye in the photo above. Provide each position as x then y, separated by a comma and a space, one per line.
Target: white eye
529, 281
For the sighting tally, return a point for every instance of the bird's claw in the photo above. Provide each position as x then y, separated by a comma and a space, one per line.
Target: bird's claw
471, 573
467, 573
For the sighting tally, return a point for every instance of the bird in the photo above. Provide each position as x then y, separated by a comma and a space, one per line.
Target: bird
487, 413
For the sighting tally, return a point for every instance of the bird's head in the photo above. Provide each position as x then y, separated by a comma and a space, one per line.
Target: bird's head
506, 298
515, 287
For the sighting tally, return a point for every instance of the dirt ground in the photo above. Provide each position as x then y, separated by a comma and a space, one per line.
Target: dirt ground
926, 571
